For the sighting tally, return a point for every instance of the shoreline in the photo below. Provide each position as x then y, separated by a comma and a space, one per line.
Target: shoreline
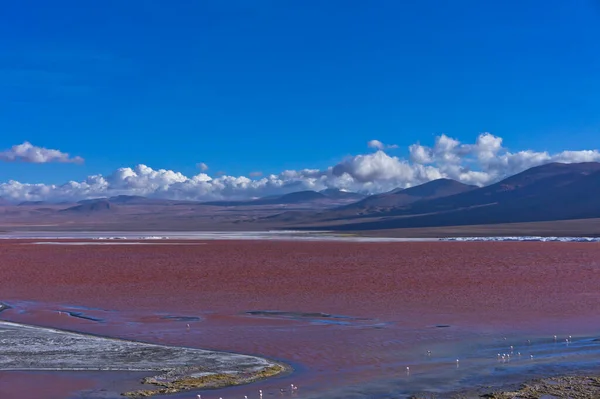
31, 348
558, 228
576, 386
197, 237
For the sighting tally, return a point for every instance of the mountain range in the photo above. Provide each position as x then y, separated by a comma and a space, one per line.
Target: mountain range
551, 192
544, 193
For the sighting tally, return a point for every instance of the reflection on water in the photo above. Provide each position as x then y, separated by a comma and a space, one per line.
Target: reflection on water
337, 356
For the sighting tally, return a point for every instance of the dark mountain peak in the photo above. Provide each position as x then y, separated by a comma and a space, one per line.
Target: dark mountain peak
552, 173
92, 200
30, 203
437, 188
401, 197
557, 168
100, 205
291, 198
124, 199
562, 166
300, 196
336, 193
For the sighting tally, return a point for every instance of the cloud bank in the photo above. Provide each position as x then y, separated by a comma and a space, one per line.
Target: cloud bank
482, 162
27, 152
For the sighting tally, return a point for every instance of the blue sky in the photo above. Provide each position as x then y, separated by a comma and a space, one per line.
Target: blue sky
273, 85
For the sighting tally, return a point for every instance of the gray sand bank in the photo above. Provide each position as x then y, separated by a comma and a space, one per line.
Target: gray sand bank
24, 347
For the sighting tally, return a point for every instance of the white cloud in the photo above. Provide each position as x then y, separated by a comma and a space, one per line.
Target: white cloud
202, 166
378, 145
482, 162
27, 152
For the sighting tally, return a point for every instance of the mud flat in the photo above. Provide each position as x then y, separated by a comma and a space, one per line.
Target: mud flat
563, 387
558, 387
32, 348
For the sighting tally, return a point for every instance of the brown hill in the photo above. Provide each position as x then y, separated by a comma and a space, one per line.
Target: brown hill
548, 192
91, 206
291, 198
400, 197
381, 204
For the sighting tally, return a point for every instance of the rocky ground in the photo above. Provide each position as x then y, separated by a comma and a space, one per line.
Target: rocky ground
566, 387
558, 387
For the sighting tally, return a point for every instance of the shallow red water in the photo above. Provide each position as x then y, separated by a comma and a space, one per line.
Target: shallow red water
396, 293
22, 385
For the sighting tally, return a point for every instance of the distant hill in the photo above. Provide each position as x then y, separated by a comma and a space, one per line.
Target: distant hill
540, 180
384, 203
92, 200
378, 204
400, 197
139, 200
31, 203
295, 198
129, 199
91, 206
291, 198
548, 192
336, 193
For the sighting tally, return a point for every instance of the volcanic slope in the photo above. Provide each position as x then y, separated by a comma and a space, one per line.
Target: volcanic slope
548, 192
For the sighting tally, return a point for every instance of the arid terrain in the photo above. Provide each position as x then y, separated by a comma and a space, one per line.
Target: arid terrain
549, 200
345, 315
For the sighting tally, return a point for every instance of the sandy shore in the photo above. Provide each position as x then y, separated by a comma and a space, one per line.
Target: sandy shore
171, 369
390, 302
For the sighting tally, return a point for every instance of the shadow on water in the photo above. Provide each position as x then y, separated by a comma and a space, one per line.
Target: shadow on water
182, 318
81, 315
300, 315
318, 318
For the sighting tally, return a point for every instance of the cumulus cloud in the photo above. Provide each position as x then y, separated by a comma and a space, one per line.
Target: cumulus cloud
28, 152
378, 145
487, 160
482, 162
